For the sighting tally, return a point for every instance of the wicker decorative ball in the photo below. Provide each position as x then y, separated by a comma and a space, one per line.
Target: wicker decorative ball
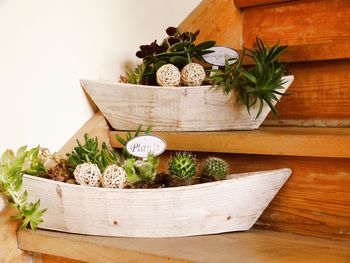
192, 74
168, 75
87, 174
114, 177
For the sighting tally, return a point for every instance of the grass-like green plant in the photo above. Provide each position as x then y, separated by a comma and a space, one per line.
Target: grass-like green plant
11, 178
89, 152
129, 137
258, 83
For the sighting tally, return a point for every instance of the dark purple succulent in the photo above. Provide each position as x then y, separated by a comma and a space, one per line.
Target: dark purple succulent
171, 31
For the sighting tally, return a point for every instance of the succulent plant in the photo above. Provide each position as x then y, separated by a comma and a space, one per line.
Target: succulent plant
11, 177
183, 165
146, 170
141, 170
258, 83
129, 137
216, 168
90, 153
178, 48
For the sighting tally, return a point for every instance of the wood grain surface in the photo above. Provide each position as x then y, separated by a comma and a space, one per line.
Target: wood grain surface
217, 20
315, 200
229, 205
289, 141
9, 253
320, 96
193, 108
252, 3
249, 247
314, 30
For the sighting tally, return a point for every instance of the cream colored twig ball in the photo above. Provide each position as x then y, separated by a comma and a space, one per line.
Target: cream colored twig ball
192, 74
168, 75
87, 174
114, 177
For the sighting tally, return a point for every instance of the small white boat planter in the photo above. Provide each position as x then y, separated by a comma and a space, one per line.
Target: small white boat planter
199, 108
234, 204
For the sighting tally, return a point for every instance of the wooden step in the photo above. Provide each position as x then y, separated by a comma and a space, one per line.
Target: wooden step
311, 35
252, 3
217, 20
300, 205
253, 246
267, 141
320, 96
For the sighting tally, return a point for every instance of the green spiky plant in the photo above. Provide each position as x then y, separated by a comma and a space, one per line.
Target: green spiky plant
12, 168
258, 83
89, 152
216, 168
129, 137
182, 165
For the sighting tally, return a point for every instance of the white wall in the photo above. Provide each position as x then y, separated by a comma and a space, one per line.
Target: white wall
46, 46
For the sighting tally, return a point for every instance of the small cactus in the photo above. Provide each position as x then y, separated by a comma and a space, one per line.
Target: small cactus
183, 165
141, 170
215, 168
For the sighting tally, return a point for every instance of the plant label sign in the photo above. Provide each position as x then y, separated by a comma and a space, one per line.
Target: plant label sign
144, 145
217, 58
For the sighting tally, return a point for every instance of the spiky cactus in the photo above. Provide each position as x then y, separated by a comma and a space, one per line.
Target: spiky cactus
183, 165
215, 168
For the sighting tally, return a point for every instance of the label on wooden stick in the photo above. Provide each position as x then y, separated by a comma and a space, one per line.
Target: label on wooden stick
220, 54
144, 145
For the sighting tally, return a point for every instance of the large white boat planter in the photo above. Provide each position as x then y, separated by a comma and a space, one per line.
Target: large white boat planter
201, 108
234, 204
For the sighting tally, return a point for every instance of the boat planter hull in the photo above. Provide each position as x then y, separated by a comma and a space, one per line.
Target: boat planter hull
234, 204
200, 108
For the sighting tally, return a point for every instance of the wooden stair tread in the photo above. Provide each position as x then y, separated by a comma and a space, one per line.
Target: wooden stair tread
320, 35
252, 3
314, 142
252, 246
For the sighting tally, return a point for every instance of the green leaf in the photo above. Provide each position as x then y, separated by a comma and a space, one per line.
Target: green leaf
179, 61
205, 45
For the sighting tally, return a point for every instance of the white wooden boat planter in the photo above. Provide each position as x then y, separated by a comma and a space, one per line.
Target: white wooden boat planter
201, 108
234, 204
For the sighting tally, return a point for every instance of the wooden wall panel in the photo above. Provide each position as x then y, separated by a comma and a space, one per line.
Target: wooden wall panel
217, 20
315, 200
320, 95
314, 30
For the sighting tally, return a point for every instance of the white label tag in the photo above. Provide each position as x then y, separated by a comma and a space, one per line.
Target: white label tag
219, 55
144, 145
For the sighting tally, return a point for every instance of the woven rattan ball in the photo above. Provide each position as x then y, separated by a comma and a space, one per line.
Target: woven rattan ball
192, 74
168, 75
87, 174
113, 177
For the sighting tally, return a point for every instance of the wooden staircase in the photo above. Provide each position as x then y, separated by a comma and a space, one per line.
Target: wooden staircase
311, 136
315, 201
